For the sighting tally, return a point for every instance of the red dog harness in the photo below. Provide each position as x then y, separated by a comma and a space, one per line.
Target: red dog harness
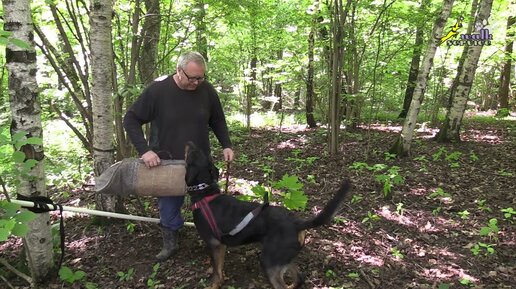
203, 204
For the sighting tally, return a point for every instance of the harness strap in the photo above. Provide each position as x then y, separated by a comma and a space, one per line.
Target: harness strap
247, 219
208, 214
203, 204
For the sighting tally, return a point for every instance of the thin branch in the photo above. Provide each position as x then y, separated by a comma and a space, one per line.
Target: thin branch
120, 60
7, 282
368, 280
15, 271
67, 23
136, 43
85, 140
4, 190
75, 19
71, 54
61, 68
31, 264
380, 15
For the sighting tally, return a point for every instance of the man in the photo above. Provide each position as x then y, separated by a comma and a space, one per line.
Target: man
182, 107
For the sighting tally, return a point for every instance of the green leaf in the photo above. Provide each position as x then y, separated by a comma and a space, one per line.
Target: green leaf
485, 231
378, 167
35, 141
78, 275
4, 33
20, 43
10, 208
18, 157
20, 229
25, 216
444, 286
288, 182
65, 274
29, 164
4, 234
3, 41
18, 136
381, 178
91, 285
295, 200
259, 191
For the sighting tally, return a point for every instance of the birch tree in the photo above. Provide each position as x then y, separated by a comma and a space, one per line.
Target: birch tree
26, 120
402, 145
459, 94
101, 90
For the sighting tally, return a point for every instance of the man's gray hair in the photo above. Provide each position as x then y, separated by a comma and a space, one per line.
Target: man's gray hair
191, 56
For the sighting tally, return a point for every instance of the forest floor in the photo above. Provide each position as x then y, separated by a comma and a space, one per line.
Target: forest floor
427, 236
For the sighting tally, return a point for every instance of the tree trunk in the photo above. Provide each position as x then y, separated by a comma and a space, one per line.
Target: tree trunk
309, 104
251, 92
26, 118
151, 33
353, 101
336, 77
200, 29
505, 78
278, 90
414, 64
101, 90
459, 94
402, 145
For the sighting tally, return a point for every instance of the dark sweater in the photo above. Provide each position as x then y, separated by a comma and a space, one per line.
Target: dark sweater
179, 116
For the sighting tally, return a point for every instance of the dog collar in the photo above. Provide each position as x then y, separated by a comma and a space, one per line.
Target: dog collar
198, 187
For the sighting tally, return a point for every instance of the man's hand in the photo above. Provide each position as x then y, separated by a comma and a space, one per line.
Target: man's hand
229, 155
151, 159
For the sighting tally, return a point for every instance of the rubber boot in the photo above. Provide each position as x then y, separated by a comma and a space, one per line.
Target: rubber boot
169, 244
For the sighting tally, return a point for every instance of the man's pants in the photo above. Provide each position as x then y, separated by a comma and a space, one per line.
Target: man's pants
170, 212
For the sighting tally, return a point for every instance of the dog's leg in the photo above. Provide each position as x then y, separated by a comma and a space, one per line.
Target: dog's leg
301, 236
275, 275
298, 277
217, 261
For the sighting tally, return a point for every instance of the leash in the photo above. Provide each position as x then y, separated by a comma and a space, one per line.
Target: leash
228, 165
42, 205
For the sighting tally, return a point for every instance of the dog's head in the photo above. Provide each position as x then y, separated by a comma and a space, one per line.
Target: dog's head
199, 167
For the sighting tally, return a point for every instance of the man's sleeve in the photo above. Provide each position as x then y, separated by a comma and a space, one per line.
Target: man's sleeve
140, 113
217, 120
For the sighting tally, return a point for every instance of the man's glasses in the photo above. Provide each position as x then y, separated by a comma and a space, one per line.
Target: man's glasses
192, 79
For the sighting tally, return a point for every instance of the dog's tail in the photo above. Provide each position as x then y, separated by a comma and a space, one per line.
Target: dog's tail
329, 211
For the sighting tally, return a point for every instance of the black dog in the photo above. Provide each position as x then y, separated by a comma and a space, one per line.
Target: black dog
217, 216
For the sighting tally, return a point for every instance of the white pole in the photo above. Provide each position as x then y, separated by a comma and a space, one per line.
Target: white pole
96, 212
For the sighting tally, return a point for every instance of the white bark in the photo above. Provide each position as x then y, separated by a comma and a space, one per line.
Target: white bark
464, 80
102, 91
26, 116
409, 124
